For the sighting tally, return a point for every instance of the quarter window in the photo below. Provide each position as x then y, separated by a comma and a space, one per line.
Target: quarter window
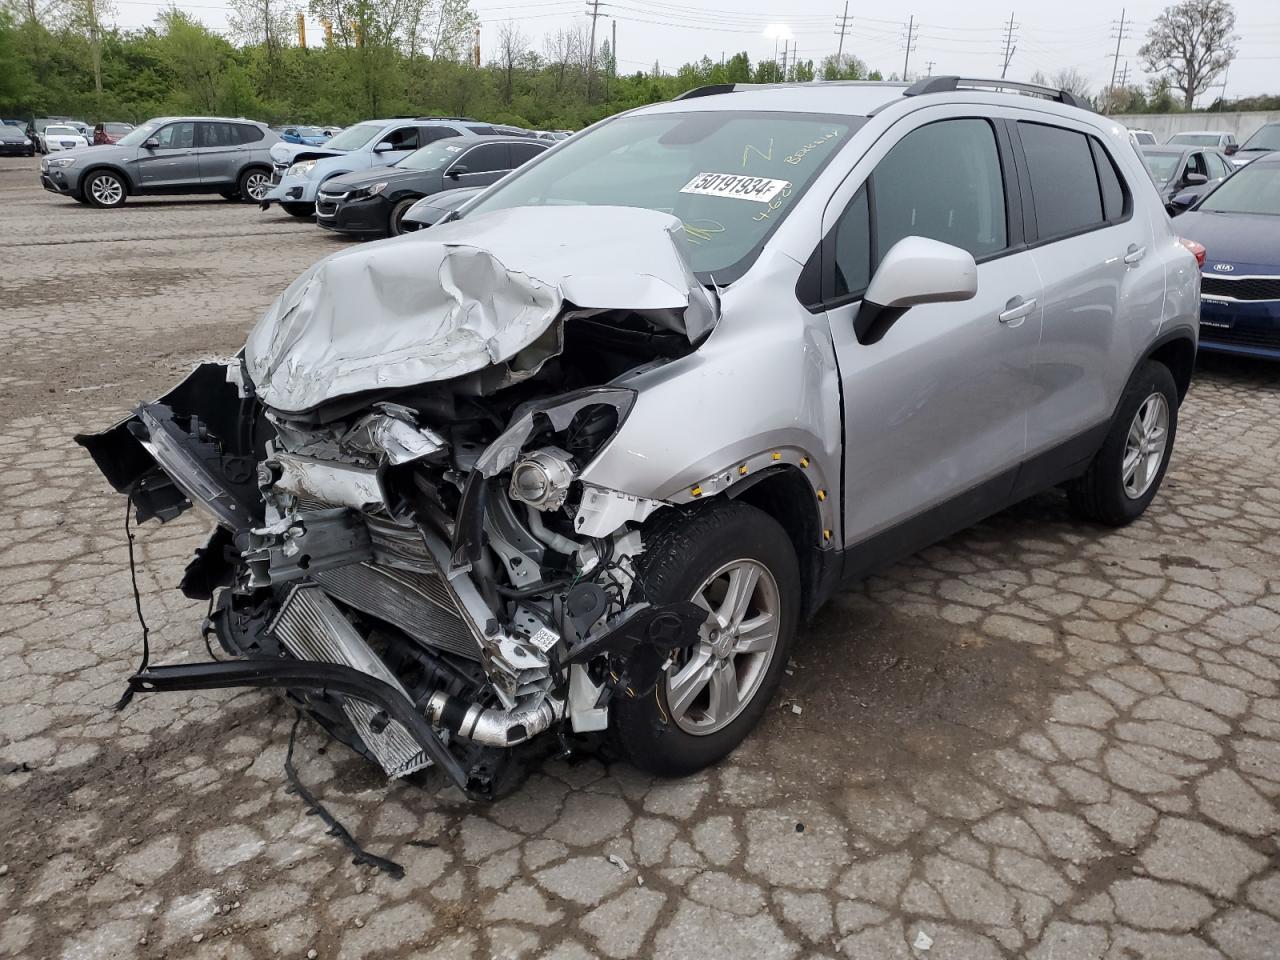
942, 181
1109, 181
852, 248
248, 133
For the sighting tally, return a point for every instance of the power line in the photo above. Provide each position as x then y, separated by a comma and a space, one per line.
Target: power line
1009, 45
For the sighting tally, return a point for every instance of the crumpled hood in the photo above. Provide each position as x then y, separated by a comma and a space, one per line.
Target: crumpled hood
434, 305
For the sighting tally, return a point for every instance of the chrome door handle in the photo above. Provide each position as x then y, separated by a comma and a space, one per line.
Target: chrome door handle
1017, 310
1134, 254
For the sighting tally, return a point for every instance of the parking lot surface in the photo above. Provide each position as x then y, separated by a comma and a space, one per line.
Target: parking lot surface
1037, 739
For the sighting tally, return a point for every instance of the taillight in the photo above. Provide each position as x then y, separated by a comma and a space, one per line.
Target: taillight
1196, 248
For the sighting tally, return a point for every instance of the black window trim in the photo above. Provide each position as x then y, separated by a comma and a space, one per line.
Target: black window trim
816, 286
1034, 240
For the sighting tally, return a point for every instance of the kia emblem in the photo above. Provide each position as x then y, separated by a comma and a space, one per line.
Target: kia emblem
1224, 267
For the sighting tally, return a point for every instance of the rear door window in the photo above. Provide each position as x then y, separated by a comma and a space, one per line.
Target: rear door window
1064, 180
524, 152
218, 134
436, 132
486, 158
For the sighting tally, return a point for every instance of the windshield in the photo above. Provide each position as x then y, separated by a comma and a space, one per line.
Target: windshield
138, 134
1252, 189
730, 176
1196, 139
355, 137
60, 130
1268, 138
309, 131
114, 128
434, 156
1162, 165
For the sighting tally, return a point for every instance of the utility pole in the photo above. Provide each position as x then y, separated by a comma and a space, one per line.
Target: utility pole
912, 30
591, 61
1009, 46
784, 59
929, 67
1115, 60
613, 58
844, 23
1222, 97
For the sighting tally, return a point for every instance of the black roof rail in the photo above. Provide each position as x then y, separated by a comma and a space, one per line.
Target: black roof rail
948, 84
710, 90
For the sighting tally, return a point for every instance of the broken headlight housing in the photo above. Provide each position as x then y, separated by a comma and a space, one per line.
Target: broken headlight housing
541, 478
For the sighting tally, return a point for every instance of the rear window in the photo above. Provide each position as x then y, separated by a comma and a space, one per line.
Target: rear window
729, 176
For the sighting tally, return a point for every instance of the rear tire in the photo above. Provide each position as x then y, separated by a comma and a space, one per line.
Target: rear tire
713, 552
299, 210
1127, 471
254, 184
105, 189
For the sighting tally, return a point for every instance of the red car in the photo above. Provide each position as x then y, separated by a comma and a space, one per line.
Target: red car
110, 132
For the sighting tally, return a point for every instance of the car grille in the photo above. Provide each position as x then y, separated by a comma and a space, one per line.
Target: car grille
325, 207
1243, 336
1246, 288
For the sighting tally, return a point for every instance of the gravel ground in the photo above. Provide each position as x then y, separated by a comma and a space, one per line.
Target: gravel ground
1037, 739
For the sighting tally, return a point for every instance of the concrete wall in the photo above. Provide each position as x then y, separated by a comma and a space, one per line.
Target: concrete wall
1165, 125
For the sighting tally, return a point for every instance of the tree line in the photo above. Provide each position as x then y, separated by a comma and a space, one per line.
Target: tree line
371, 58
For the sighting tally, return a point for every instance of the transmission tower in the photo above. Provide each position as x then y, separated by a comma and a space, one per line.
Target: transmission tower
909, 43
1010, 44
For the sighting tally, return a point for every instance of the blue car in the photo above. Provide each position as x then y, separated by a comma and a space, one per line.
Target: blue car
1239, 226
310, 136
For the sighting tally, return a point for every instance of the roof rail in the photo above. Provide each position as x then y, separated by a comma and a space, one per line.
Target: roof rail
710, 90
947, 84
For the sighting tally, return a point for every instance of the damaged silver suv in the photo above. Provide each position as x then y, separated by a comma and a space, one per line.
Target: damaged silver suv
583, 458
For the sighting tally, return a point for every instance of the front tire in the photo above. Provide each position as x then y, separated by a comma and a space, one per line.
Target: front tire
254, 184
299, 210
740, 564
105, 189
395, 222
1127, 471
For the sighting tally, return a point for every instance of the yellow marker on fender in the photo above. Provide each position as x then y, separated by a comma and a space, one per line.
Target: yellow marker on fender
777, 455
822, 494
696, 491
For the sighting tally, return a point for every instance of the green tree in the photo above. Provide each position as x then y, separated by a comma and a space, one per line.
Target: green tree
1190, 44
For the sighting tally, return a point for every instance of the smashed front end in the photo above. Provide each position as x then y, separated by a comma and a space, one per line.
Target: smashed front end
403, 540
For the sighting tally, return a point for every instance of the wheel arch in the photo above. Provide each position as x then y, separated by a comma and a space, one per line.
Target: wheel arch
1177, 351
129, 185
253, 165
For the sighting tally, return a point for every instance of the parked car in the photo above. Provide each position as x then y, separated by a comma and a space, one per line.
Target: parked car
1264, 140
56, 137
14, 142
431, 210
1214, 139
585, 457
310, 136
1239, 226
299, 170
374, 202
1184, 172
37, 126
1142, 138
555, 135
168, 155
110, 131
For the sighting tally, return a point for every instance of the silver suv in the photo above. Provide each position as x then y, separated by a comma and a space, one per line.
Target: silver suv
221, 155
586, 456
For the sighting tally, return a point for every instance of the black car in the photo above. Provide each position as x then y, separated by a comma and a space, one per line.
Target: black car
14, 142
431, 210
374, 202
1185, 172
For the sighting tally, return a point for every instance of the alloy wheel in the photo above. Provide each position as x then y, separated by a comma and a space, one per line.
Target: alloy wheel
257, 186
1144, 446
107, 191
709, 684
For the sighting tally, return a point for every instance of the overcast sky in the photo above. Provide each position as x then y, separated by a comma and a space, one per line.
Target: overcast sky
965, 38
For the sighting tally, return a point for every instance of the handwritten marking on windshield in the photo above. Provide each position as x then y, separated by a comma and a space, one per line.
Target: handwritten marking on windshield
774, 204
766, 156
812, 145
696, 233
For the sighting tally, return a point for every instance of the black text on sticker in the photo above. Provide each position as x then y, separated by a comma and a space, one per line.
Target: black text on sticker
760, 189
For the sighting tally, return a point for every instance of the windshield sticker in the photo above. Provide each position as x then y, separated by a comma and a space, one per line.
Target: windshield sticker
748, 149
810, 146
735, 186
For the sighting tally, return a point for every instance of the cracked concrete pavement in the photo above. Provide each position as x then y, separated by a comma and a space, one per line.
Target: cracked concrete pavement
1037, 739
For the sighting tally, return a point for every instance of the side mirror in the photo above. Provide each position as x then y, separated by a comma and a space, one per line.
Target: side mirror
457, 171
151, 143
384, 147
1182, 201
915, 271
1230, 148
1195, 179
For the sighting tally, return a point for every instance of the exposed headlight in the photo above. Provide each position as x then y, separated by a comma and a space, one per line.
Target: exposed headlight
370, 191
61, 161
541, 479
300, 169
